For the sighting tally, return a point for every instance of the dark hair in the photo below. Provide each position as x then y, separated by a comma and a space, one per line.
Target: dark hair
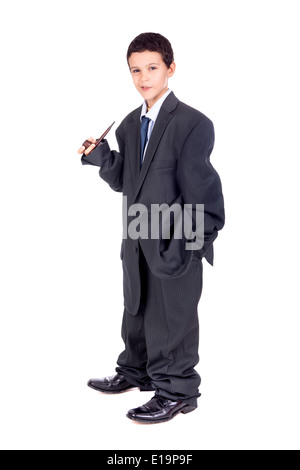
155, 43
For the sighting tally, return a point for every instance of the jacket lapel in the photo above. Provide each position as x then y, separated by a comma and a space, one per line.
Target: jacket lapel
134, 142
163, 119
159, 128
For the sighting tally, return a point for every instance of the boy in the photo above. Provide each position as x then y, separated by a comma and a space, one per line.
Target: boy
163, 158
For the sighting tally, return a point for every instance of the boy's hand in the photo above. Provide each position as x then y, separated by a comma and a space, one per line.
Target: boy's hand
89, 149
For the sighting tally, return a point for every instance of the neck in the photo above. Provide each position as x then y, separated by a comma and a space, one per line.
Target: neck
151, 103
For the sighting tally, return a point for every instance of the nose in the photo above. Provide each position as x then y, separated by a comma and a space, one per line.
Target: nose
145, 77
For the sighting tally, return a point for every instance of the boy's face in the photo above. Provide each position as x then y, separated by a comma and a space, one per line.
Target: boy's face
150, 75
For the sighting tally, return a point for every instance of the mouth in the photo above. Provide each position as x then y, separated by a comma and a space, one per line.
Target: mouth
146, 88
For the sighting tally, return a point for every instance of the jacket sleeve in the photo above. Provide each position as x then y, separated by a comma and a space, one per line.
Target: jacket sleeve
201, 184
111, 163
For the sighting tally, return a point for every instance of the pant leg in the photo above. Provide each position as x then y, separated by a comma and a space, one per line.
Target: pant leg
132, 363
172, 334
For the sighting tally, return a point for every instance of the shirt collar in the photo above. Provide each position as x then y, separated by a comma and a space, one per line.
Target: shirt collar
154, 111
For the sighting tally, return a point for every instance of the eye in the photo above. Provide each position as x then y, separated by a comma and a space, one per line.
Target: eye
135, 71
153, 68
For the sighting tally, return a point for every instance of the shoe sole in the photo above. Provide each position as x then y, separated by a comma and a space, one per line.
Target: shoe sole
187, 409
106, 392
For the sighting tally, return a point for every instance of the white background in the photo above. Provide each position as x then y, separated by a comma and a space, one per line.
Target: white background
64, 78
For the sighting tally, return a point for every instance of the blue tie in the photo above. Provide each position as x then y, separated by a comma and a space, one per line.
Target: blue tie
144, 136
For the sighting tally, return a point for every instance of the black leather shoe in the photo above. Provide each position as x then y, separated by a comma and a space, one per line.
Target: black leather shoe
114, 384
159, 410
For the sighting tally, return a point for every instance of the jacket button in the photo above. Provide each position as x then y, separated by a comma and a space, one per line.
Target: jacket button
136, 249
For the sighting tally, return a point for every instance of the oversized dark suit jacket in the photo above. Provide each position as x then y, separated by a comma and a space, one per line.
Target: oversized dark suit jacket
176, 169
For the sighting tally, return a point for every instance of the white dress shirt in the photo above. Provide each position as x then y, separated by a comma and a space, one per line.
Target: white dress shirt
152, 114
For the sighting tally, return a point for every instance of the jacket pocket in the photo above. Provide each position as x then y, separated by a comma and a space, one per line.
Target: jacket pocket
161, 164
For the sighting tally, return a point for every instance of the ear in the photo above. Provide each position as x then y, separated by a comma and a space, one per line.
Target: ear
171, 70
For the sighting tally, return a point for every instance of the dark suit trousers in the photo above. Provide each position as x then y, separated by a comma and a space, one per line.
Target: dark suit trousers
162, 340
